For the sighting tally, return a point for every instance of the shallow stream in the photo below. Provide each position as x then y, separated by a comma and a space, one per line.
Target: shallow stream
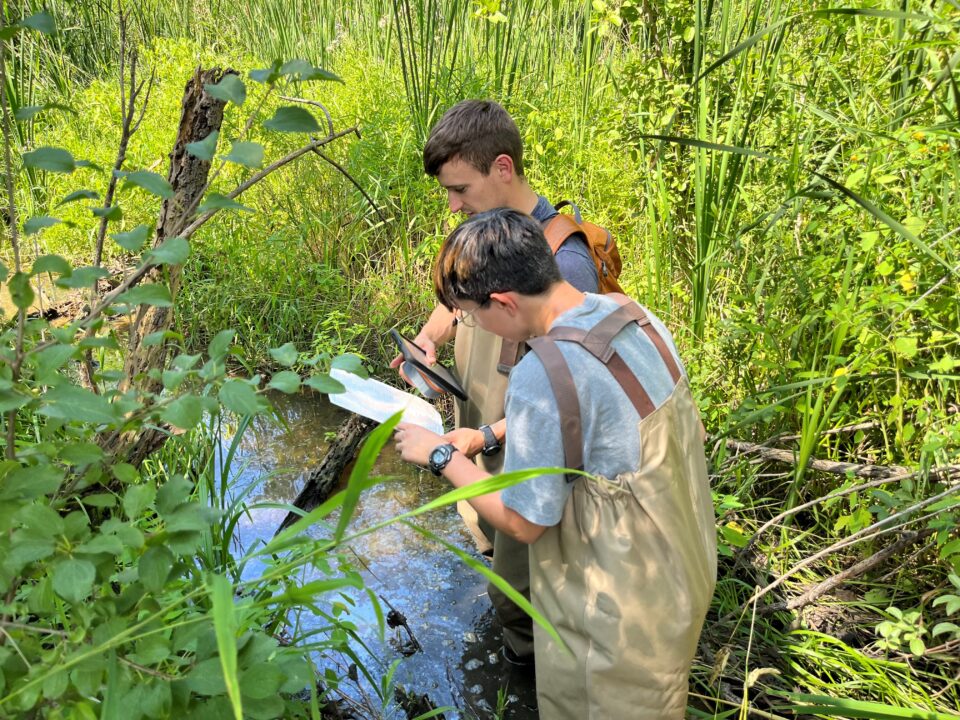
445, 602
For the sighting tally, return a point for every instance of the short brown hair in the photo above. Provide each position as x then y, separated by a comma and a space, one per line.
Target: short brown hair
500, 250
476, 131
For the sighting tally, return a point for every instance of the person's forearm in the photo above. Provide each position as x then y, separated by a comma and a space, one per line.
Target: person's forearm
439, 326
461, 472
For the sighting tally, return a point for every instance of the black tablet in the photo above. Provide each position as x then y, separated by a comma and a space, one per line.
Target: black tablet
436, 374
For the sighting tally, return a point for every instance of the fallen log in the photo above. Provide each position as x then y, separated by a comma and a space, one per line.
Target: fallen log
324, 479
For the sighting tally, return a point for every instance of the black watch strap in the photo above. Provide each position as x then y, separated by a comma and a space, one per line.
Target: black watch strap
491, 446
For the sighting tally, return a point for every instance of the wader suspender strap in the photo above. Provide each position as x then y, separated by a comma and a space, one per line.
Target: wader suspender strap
567, 401
598, 342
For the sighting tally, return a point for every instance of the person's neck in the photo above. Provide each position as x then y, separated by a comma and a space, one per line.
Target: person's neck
546, 308
522, 197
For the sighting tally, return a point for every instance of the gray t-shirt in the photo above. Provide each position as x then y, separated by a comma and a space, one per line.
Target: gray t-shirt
573, 257
610, 437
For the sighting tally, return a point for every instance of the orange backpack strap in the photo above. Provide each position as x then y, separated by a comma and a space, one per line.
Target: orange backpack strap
558, 229
568, 404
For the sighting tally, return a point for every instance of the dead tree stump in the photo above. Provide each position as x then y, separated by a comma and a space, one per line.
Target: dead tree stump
200, 115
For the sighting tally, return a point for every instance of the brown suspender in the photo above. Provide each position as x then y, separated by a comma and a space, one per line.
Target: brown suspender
598, 341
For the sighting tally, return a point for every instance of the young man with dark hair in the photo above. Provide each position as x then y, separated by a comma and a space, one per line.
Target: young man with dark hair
476, 153
622, 562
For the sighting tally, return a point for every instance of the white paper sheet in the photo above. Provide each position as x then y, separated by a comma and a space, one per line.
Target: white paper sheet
379, 401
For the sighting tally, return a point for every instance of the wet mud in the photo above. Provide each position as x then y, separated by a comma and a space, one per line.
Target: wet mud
439, 620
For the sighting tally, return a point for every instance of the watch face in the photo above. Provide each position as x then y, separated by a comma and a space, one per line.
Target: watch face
439, 458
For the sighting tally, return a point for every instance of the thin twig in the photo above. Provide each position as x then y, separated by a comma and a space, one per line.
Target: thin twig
875, 530
855, 570
356, 184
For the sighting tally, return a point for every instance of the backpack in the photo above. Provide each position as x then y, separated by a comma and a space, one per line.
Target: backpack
603, 248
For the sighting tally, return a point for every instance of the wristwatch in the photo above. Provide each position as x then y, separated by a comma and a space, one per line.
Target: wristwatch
491, 446
440, 457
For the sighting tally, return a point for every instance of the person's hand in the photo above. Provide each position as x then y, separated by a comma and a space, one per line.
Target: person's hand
429, 349
415, 443
467, 440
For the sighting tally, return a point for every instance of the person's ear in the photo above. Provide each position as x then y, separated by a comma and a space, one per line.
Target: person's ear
503, 167
508, 300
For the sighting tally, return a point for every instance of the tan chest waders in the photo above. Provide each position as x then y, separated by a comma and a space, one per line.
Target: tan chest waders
477, 354
627, 575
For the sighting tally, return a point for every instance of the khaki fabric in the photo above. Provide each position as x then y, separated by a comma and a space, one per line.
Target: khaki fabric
626, 578
477, 353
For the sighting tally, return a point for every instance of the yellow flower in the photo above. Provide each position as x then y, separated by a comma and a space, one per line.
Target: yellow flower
906, 281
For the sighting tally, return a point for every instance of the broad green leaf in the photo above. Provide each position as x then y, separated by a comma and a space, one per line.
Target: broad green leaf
266, 75
173, 251
216, 201
351, 363
248, 154
32, 482
306, 71
112, 213
51, 264
28, 112
38, 223
138, 498
906, 346
206, 678
149, 294
172, 379
173, 493
41, 22
4, 272
80, 454
154, 567
285, 381
221, 344
82, 277
262, 680
229, 89
100, 500
73, 579
292, 119
944, 627
70, 402
79, 195
21, 292
324, 383
240, 398
100, 543
185, 412
42, 519
286, 354
125, 473
49, 361
10, 400
204, 149
149, 181
51, 159
9, 31
133, 240
225, 627
156, 338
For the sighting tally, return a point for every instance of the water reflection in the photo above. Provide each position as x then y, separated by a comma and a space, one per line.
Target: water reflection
444, 602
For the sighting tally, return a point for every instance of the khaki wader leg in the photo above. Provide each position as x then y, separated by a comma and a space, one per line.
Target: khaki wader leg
477, 353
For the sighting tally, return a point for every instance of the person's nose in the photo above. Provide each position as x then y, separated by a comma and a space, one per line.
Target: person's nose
455, 202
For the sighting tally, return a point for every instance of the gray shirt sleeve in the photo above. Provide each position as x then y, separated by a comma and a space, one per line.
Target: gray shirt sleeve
534, 440
576, 265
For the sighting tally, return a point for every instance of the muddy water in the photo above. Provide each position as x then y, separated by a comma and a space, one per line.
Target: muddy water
444, 602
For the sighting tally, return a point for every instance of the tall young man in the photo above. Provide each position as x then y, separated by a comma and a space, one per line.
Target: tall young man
476, 153
623, 563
